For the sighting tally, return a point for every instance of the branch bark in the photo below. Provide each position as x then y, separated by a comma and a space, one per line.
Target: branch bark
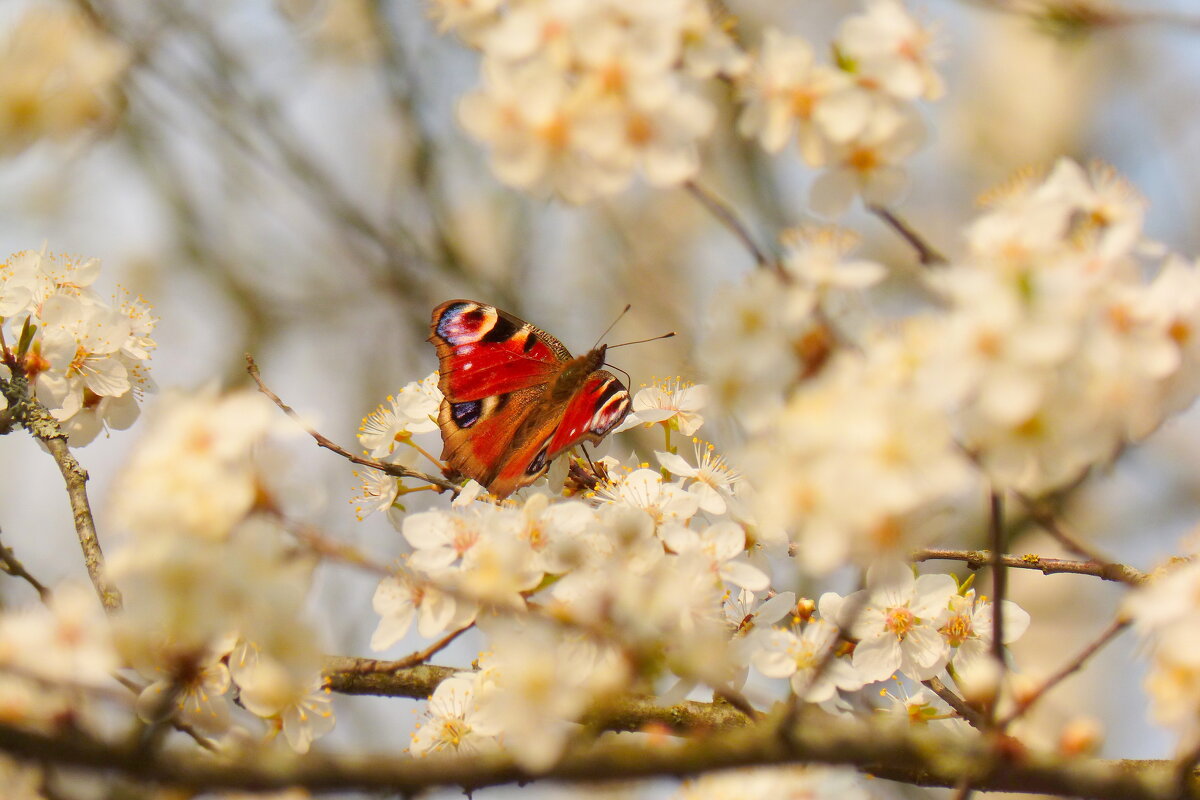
918, 755
977, 559
36, 419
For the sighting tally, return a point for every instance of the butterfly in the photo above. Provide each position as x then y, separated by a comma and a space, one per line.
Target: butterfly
514, 397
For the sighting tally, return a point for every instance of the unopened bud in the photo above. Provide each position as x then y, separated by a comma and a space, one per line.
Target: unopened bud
805, 608
979, 681
1080, 736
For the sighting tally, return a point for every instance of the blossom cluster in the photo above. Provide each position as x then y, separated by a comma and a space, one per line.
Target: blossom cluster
58, 76
1165, 613
658, 580
579, 96
214, 583
85, 358
856, 116
1057, 338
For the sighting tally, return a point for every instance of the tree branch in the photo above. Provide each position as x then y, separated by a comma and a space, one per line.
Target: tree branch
10, 564
972, 717
729, 219
977, 559
920, 755
927, 254
1070, 668
329, 444
36, 419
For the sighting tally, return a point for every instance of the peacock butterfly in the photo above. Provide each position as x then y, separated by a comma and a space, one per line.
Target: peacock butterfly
513, 396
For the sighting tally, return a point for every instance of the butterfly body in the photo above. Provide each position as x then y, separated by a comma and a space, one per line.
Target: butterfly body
514, 397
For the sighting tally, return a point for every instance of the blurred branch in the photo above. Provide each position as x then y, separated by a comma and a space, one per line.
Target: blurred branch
918, 755
927, 254
726, 216
1057, 527
997, 536
404, 92
977, 559
1074, 17
1071, 667
10, 564
36, 419
391, 469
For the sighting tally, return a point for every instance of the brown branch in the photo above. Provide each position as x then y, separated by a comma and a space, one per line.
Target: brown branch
412, 660
919, 755
36, 419
329, 444
725, 215
1057, 528
977, 559
927, 254
998, 538
10, 564
1071, 667
972, 717
1081, 16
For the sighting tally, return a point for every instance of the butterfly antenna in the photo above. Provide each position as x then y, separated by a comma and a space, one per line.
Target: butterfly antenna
628, 377
643, 341
612, 325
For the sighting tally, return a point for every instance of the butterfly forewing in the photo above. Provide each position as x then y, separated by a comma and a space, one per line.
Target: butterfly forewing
484, 351
514, 397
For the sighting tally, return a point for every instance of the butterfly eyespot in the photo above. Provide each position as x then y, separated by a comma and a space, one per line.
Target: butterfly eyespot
466, 414
539, 461
465, 323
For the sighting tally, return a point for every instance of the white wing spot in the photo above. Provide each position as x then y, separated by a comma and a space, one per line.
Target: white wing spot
468, 365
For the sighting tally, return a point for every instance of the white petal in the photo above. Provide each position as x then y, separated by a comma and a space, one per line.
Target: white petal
740, 573
876, 659
675, 464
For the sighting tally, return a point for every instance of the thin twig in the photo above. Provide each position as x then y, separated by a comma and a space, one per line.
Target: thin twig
977, 559
1071, 667
999, 573
10, 564
329, 444
927, 254
412, 660
182, 727
729, 219
1057, 528
972, 717
326, 547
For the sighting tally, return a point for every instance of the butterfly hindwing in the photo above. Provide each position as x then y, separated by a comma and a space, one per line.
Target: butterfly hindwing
514, 398
477, 444
595, 409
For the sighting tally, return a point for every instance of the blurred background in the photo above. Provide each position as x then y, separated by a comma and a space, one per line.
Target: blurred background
289, 179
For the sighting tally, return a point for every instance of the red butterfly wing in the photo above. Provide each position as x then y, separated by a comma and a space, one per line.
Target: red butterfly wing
595, 409
514, 396
484, 351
